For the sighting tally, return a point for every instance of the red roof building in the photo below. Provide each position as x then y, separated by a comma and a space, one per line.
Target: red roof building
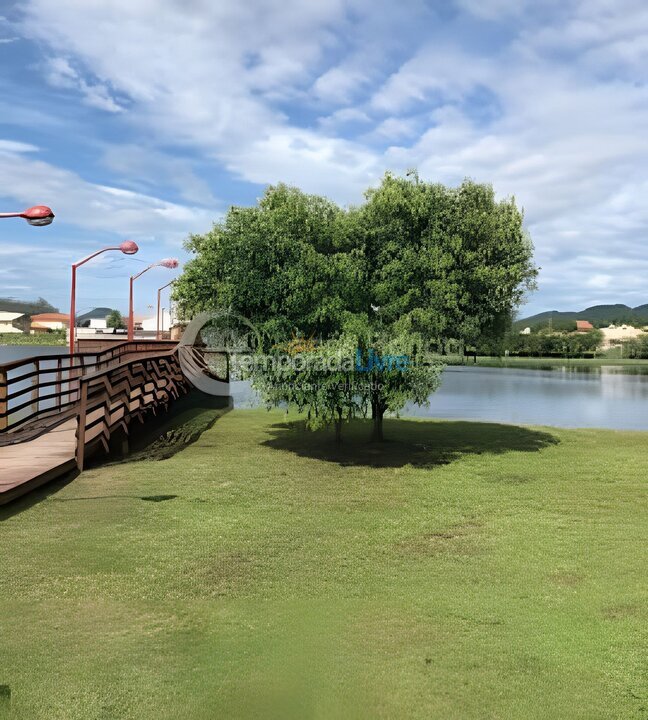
584, 326
44, 322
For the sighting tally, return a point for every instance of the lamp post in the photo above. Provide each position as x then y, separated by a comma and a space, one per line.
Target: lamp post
128, 247
170, 263
37, 215
157, 332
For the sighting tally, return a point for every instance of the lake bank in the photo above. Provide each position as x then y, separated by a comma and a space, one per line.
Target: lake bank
551, 363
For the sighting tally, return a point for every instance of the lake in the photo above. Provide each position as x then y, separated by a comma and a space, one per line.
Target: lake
9, 353
602, 397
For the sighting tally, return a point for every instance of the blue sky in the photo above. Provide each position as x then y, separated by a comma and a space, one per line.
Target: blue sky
147, 119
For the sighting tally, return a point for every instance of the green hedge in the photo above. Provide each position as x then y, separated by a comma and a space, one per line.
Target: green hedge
55, 337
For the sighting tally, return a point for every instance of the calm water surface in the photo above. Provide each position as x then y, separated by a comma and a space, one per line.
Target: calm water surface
603, 397
9, 353
600, 398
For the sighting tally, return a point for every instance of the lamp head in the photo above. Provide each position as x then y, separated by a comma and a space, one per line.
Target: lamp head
129, 247
171, 263
38, 215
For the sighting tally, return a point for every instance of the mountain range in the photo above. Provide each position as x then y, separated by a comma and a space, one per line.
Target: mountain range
598, 315
29, 307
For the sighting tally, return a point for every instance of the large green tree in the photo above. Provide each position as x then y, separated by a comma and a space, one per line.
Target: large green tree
416, 265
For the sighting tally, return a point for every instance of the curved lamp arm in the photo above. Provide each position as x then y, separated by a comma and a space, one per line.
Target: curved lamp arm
128, 247
171, 264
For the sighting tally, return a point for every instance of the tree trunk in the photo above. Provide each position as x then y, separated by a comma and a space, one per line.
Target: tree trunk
377, 412
338, 431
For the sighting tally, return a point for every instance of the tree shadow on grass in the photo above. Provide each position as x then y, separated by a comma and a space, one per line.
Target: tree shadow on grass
424, 444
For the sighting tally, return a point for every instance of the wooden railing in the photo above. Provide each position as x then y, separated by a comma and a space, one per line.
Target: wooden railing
45, 389
112, 399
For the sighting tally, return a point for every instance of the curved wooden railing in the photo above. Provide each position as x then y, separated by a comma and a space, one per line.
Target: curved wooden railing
112, 399
56, 409
41, 390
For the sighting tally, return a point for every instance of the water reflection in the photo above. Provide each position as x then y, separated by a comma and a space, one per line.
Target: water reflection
605, 398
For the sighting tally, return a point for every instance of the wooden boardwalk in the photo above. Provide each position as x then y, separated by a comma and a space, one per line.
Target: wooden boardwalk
54, 410
25, 466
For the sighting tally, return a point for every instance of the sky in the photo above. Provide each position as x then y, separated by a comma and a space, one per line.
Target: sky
147, 119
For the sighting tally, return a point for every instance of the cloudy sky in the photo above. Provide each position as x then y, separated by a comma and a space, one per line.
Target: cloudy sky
146, 119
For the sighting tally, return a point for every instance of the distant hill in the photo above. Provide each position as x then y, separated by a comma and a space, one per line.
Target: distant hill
29, 307
598, 315
100, 313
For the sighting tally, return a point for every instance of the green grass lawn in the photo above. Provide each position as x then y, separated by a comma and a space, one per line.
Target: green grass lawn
462, 570
47, 338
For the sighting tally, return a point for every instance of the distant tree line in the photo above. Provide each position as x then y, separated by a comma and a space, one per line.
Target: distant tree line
543, 344
636, 347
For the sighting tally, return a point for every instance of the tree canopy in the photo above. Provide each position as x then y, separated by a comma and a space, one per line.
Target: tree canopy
282, 264
416, 265
115, 320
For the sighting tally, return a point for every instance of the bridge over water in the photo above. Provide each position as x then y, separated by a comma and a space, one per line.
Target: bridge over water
56, 410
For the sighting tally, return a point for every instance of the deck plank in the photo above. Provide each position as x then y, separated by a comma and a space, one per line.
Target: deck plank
24, 463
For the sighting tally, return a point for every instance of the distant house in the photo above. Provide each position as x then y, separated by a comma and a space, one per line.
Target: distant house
615, 334
526, 331
13, 322
584, 326
150, 324
45, 322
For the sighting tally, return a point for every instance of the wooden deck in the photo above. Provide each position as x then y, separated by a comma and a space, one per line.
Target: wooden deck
54, 410
25, 466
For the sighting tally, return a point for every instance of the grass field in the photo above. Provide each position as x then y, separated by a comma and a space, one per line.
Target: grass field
47, 338
461, 570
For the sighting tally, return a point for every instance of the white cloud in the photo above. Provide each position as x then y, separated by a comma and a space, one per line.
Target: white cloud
437, 68
339, 84
60, 74
90, 206
493, 9
394, 129
144, 166
549, 102
13, 146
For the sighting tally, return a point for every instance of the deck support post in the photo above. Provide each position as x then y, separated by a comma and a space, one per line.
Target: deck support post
35, 391
4, 417
81, 424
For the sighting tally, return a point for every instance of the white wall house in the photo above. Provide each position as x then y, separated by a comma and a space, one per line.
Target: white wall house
44, 322
149, 324
12, 322
615, 334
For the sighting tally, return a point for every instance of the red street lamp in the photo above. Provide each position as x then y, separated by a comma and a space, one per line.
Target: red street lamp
157, 331
170, 263
37, 215
128, 247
